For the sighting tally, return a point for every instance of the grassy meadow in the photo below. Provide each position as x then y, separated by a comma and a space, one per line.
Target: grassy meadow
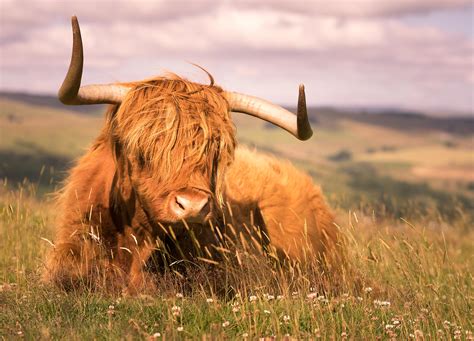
402, 192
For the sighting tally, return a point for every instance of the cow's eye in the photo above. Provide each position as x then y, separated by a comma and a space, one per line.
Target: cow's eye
141, 161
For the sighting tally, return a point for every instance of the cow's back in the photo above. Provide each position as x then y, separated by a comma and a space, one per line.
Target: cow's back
293, 208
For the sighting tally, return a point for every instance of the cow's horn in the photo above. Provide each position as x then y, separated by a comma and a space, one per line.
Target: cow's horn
298, 124
71, 91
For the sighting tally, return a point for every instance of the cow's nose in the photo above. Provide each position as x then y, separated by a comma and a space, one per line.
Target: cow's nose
192, 206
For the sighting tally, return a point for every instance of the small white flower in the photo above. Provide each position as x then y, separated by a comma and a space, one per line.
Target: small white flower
156, 335
225, 324
245, 335
359, 298
179, 295
209, 300
286, 318
180, 329
389, 326
176, 310
382, 303
367, 290
323, 299
235, 309
267, 312
312, 295
270, 297
252, 298
279, 297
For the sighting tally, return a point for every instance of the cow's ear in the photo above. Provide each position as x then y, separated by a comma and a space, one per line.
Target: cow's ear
116, 152
121, 202
123, 171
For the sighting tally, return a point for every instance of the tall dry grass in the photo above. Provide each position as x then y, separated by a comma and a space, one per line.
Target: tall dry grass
402, 280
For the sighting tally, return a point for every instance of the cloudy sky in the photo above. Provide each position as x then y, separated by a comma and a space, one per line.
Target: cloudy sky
405, 53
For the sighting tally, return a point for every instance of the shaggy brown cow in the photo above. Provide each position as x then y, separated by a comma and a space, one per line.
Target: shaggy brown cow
166, 163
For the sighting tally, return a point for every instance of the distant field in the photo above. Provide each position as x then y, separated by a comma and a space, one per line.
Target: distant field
39, 139
402, 188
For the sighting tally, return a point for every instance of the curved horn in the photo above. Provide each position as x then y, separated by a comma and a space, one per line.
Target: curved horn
72, 93
297, 125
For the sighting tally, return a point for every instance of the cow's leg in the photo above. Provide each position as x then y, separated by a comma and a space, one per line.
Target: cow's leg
139, 279
133, 250
78, 263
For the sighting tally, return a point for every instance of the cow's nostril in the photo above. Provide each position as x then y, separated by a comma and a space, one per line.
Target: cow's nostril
179, 204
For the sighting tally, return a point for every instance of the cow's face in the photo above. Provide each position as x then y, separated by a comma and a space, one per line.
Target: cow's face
177, 140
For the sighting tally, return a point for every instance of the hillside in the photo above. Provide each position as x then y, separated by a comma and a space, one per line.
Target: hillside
396, 161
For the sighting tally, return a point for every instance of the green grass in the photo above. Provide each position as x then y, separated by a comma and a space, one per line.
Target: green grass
425, 273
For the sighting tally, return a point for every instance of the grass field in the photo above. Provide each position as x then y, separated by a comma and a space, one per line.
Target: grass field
408, 235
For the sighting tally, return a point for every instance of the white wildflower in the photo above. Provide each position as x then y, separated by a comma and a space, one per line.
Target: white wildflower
225, 324
176, 310
382, 303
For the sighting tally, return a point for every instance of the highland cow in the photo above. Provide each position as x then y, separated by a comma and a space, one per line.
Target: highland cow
166, 163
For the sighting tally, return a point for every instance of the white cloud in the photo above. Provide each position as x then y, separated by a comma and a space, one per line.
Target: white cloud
349, 51
355, 8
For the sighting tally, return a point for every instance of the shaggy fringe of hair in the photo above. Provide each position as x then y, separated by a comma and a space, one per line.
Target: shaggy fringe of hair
176, 128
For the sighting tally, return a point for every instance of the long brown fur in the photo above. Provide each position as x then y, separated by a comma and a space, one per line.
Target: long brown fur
169, 134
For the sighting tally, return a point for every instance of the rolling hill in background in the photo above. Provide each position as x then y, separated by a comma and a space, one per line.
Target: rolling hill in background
390, 118
399, 163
